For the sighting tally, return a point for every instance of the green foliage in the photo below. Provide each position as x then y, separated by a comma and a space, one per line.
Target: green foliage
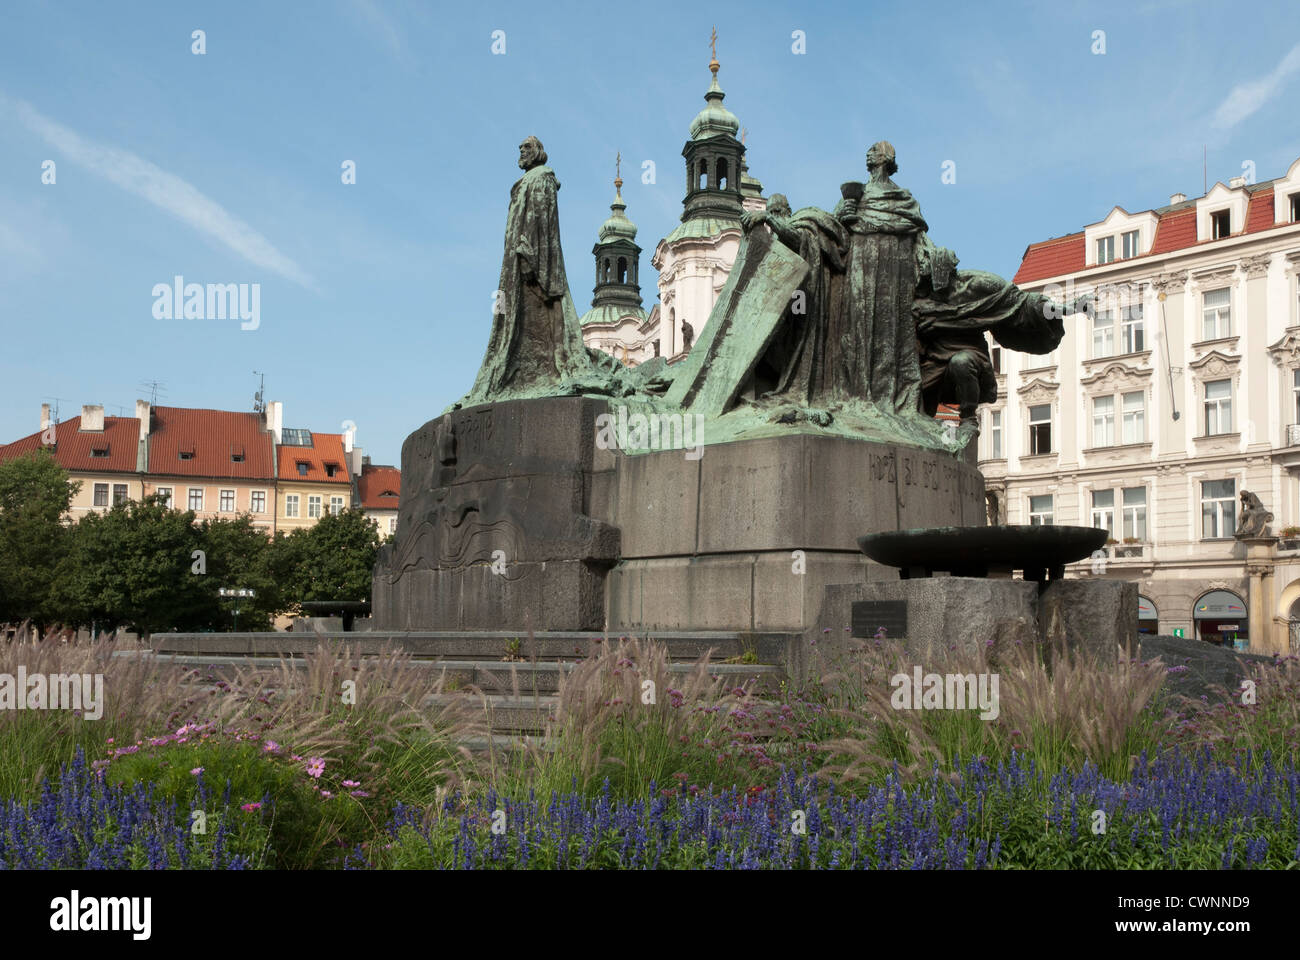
303, 829
240, 555
333, 560
35, 494
132, 566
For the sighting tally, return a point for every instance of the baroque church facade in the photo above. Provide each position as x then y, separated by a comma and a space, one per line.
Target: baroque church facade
693, 261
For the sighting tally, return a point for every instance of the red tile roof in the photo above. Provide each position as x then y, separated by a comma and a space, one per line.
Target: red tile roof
73, 447
1259, 215
213, 436
1051, 258
326, 448
379, 487
1175, 230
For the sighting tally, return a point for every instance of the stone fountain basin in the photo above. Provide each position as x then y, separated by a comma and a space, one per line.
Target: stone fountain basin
1040, 551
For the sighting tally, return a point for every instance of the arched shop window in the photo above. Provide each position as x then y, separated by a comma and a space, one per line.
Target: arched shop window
1220, 618
1148, 617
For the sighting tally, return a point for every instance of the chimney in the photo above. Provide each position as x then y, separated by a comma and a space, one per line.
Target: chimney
92, 418
365, 461
347, 440
274, 418
45, 415
142, 414
1237, 182
1177, 198
356, 457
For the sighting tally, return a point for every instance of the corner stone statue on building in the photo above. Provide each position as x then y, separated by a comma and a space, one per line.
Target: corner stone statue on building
1255, 517
536, 348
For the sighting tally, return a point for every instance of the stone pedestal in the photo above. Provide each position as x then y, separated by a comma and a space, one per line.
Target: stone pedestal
497, 528
934, 613
1264, 638
748, 536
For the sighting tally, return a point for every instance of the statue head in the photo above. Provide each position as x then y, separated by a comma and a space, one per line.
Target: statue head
531, 153
778, 205
882, 154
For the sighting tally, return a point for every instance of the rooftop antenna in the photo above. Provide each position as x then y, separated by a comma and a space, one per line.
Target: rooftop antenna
56, 400
259, 401
154, 387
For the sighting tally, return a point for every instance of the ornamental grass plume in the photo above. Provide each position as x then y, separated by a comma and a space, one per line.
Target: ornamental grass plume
141, 695
394, 726
623, 714
1061, 706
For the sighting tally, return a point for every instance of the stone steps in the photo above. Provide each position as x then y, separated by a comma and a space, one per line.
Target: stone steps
765, 648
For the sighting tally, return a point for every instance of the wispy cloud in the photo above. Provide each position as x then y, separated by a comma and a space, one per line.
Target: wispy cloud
1246, 98
385, 26
164, 190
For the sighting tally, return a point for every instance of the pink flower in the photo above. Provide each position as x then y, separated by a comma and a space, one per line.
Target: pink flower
360, 793
351, 783
326, 794
250, 807
271, 747
315, 767
196, 771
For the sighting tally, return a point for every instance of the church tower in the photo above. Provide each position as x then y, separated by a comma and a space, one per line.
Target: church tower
694, 260
616, 319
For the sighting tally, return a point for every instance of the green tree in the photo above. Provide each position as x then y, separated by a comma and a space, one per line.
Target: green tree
239, 555
333, 560
136, 566
35, 494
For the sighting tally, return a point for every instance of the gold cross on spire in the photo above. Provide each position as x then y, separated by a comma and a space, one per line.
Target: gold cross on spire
618, 160
713, 47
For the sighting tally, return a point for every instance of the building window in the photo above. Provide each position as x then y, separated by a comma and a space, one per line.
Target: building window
1295, 208
1040, 428
1129, 244
1135, 513
1103, 511
1103, 421
99, 452
196, 498
1216, 314
257, 501
119, 493
995, 354
1105, 249
101, 494
995, 434
1218, 407
302, 468
170, 502
1134, 429
227, 501
236, 458
1221, 224
1103, 334
313, 507
186, 454
1040, 511
392, 524
1218, 509
336, 506
1132, 334
331, 469
291, 505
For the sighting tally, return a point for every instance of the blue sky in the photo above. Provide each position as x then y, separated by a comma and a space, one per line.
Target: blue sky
376, 297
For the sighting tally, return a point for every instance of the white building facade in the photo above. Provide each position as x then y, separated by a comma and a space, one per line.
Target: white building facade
1155, 414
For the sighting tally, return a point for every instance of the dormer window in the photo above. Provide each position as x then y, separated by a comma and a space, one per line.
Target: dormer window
99, 452
331, 469
1221, 224
237, 456
186, 454
1105, 249
302, 468
1129, 244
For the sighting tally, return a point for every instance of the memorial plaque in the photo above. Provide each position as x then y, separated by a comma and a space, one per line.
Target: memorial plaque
869, 616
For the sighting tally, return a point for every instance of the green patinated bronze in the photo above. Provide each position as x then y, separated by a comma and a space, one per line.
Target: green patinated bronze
851, 323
